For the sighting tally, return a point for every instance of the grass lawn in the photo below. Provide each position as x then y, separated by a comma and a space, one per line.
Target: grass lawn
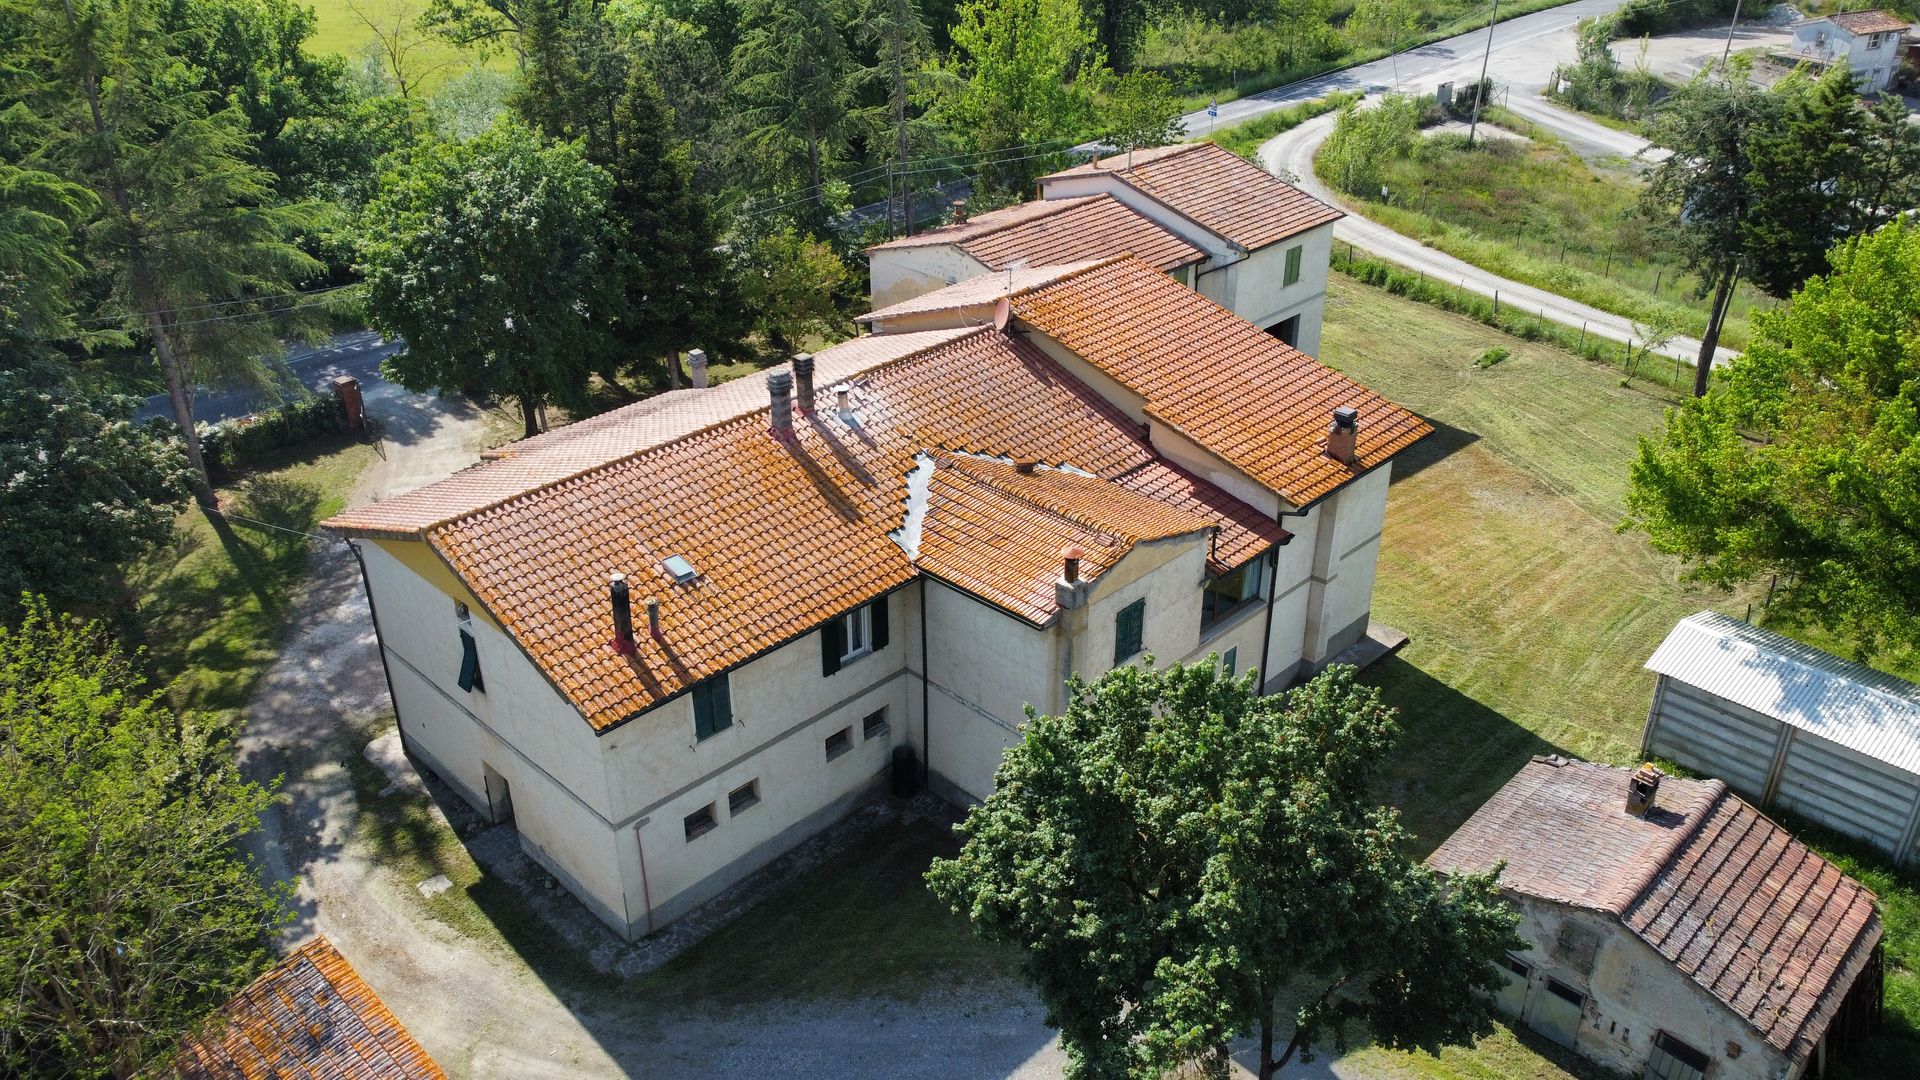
211, 604
1536, 213
1529, 614
340, 31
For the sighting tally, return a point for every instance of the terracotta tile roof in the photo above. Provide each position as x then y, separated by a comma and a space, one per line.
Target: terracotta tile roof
976, 291
1750, 914
568, 451
997, 533
785, 535
1055, 231
1217, 188
1253, 401
310, 1018
1243, 531
1866, 22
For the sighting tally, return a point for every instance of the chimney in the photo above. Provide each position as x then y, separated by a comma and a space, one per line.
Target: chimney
1070, 591
653, 621
803, 382
697, 367
1346, 423
779, 390
843, 401
959, 211
1025, 465
1642, 786
622, 616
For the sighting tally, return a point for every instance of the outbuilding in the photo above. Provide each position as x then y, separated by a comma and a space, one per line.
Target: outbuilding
1789, 725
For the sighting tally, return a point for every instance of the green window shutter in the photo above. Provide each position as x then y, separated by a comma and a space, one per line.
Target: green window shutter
1127, 628
833, 643
1231, 660
1293, 266
702, 711
470, 665
879, 623
722, 710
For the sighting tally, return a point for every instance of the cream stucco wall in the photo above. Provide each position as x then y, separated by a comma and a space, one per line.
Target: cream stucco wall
1633, 993
896, 274
1254, 287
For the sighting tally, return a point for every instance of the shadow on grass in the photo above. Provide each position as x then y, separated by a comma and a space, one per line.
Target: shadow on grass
1454, 751
1445, 441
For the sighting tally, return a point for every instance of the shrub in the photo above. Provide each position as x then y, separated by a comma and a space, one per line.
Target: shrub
1246, 137
1366, 141
1492, 356
231, 446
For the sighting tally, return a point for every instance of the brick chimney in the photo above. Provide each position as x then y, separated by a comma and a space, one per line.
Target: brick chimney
697, 367
1070, 591
1642, 787
1340, 437
622, 615
803, 382
959, 211
779, 393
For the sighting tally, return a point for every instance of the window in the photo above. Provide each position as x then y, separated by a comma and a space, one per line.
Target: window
1293, 266
470, 679
858, 633
1674, 1060
1127, 628
712, 707
1229, 593
839, 743
874, 726
1287, 330
1230, 661
743, 798
700, 822
1516, 965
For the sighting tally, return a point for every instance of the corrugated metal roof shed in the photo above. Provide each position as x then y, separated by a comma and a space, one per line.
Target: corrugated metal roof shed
1851, 704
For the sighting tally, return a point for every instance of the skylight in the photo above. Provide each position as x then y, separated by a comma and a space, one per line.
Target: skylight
679, 569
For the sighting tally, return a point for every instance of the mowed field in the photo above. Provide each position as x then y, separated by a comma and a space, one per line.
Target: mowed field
339, 28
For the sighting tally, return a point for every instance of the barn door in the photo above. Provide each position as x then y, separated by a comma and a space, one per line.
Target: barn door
1511, 997
1554, 1011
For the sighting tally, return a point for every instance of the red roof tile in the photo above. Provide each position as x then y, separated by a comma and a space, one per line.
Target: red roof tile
1733, 901
1055, 231
1867, 22
309, 1018
1241, 393
1217, 188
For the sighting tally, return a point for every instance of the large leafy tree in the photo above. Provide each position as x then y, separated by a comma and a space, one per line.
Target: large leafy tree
902, 47
794, 78
1177, 849
493, 258
1026, 73
83, 491
126, 911
196, 254
1804, 459
1703, 193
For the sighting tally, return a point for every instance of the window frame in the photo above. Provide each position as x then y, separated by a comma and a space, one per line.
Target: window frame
696, 828
874, 725
1136, 612
856, 625
715, 691
1212, 616
1296, 255
751, 790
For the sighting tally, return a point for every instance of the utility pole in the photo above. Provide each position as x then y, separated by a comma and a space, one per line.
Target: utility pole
1480, 88
1727, 53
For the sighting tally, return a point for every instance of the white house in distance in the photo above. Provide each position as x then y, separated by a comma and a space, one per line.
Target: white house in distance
1209, 218
1672, 931
672, 641
1869, 41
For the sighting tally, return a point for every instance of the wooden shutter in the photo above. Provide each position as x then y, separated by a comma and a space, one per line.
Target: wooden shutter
879, 620
720, 712
1127, 628
702, 710
470, 664
833, 644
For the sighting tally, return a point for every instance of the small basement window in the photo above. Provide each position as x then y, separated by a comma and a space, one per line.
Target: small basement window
875, 725
700, 822
1672, 1059
839, 743
745, 797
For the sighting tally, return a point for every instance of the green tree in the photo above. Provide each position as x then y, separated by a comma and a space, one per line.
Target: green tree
1025, 73
1366, 141
1117, 26
38, 215
1177, 849
86, 491
1702, 195
126, 911
791, 283
901, 47
195, 252
1803, 461
1141, 110
794, 79
493, 258
1383, 24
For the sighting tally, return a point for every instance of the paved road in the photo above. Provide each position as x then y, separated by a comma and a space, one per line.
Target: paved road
357, 353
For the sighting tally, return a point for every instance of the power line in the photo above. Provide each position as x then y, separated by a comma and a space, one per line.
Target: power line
103, 319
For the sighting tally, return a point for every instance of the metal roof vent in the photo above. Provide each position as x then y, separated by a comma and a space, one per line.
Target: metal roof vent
679, 569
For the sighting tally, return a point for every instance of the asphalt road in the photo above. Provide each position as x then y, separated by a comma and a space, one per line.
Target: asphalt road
357, 353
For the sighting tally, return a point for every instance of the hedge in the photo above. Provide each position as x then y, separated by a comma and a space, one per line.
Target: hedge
231, 446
